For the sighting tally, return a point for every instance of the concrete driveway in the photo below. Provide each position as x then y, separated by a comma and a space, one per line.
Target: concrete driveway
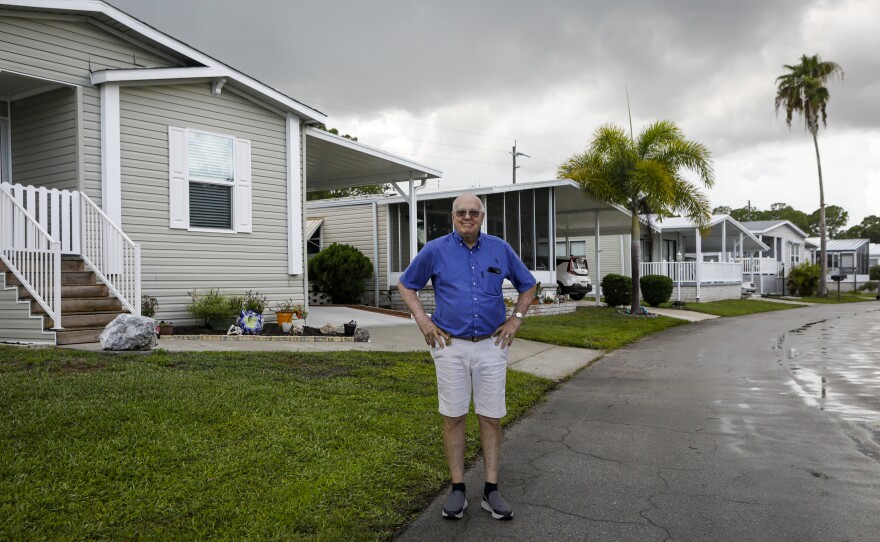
764, 427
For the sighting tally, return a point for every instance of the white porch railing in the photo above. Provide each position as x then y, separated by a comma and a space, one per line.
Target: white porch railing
689, 272
760, 266
32, 255
110, 253
57, 212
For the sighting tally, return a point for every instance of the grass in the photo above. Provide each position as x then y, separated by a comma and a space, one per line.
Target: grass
844, 298
600, 328
737, 307
227, 445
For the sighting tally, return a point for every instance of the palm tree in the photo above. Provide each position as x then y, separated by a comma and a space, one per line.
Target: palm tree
643, 175
803, 90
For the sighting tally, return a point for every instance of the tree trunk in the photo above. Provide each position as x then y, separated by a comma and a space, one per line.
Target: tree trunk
823, 234
634, 259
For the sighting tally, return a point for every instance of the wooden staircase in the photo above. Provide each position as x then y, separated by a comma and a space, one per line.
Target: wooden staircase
86, 304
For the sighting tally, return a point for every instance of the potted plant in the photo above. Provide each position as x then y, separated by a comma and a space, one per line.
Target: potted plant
217, 310
165, 328
350, 327
538, 290
547, 300
286, 311
149, 304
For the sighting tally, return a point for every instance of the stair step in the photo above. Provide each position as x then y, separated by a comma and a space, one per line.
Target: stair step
74, 263
84, 320
74, 292
77, 336
69, 278
82, 305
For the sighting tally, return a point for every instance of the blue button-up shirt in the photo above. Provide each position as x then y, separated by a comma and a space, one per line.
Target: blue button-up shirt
467, 282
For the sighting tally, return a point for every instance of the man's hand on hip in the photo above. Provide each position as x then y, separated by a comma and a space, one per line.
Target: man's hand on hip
504, 335
434, 336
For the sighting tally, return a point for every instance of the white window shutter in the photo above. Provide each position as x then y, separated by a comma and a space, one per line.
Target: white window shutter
243, 187
178, 190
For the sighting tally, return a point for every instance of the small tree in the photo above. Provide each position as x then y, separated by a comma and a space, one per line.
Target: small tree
340, 271
656, 289
803, 279
617, 289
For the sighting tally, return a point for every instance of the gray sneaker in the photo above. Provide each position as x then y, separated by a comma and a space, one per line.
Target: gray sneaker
455, 506
496, 504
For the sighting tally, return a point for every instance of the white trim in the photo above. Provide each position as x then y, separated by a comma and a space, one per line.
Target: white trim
6, 150
150, 33
295, 216
111, 154
155, 75
132, 40
422, 171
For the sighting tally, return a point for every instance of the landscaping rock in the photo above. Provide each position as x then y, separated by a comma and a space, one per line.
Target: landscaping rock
361, 335
129, 332
233, 330
296, 330
329, 330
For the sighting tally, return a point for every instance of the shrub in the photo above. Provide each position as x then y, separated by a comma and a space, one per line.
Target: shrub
214, 306
253, 301
874, 272
339, 271
149, 304
803, 279
869, 286
656, 289
617, 290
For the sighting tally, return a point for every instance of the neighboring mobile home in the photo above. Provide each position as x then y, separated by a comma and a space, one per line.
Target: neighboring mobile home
848, 257
788, 246
129, 156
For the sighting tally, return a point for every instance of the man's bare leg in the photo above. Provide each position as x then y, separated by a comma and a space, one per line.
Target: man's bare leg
453, 442
490, 438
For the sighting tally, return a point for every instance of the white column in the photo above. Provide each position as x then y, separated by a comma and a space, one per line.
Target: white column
598, 280
413, 221
699, 262
758, 263
111, 154
723, 241
295, 197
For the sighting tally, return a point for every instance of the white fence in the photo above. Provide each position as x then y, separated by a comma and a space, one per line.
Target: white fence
691, 272
79, 227
760, 266
31, 254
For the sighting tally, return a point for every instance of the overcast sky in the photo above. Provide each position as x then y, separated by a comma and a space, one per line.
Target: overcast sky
452, 83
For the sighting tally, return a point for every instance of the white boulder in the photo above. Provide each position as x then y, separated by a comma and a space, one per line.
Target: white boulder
129, 332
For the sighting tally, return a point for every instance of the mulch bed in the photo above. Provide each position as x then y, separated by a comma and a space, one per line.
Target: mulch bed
269, 330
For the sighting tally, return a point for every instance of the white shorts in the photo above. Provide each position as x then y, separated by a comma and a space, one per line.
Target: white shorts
464, 365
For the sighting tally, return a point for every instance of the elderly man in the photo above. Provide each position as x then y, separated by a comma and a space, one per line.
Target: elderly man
469, 335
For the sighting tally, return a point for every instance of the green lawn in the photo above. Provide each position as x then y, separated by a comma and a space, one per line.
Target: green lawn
602, 328
266, 446
844, 298
737, 307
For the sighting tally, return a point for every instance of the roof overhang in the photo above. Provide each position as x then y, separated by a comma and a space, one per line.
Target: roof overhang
334, 162
788, 223
712, 242
119, 21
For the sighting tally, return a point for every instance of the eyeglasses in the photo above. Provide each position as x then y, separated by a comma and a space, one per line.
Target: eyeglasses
473, 213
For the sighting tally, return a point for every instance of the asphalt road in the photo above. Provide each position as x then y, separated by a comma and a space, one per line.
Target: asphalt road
764, 427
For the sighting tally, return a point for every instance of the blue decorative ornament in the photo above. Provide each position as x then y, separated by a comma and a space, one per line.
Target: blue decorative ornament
250, 322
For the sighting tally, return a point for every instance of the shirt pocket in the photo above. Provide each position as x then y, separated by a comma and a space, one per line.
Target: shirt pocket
491, 283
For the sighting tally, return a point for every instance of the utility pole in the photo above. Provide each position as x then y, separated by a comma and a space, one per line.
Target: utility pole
514, 154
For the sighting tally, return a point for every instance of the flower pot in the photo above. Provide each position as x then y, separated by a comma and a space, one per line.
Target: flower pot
286, 326
349, 329
165, 330
221, 323
284, 317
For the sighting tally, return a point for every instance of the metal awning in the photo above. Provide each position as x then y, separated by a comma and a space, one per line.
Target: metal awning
334, 162
312, 225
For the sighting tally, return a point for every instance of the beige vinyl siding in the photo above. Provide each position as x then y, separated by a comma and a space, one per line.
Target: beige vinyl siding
17, 325
67, 50
175, 261
44, 140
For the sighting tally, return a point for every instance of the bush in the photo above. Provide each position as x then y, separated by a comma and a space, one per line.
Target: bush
803, 279
340, 271
870, 286
149, 304
617, 290
874, 272
214, 306
656, 289
253, 301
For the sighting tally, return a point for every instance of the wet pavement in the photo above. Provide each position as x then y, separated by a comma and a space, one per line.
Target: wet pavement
717, 430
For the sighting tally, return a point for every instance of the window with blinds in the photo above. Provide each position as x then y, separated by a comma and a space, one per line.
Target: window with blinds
211, 169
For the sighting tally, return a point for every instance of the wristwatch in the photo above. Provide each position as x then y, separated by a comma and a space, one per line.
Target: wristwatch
518, 315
